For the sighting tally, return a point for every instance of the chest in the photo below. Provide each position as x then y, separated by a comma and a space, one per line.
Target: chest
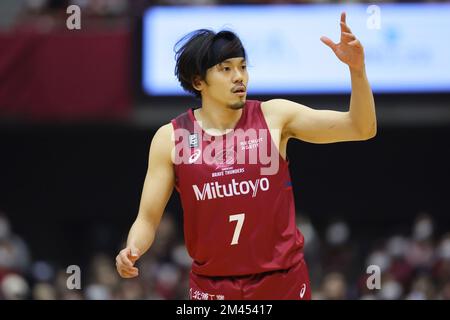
244, 155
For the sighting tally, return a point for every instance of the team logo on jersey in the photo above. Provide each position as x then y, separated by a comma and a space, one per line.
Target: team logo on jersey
193, 140
225, 158
194, 157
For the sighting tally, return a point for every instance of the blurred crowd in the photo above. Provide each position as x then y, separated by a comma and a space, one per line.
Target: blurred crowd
46, 15
413, 266
50, 15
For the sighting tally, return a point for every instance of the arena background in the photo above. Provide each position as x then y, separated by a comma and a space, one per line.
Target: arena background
75, 129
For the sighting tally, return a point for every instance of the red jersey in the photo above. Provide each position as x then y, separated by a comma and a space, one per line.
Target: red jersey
236, 194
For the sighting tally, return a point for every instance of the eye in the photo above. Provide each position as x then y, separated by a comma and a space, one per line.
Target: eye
226, 68
244, 67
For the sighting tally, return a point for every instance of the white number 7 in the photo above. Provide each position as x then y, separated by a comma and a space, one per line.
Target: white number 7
240, 221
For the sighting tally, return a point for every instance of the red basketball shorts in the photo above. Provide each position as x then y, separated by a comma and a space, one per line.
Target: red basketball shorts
290, 284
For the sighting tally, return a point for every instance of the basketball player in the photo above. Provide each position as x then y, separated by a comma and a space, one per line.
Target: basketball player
239, 221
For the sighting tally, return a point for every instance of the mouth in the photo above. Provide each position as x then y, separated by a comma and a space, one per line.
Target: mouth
239, 90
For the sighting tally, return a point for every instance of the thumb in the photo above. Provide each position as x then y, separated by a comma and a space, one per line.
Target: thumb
328, 42
134, 252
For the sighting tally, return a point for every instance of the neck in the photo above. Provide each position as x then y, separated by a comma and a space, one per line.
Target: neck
217, 117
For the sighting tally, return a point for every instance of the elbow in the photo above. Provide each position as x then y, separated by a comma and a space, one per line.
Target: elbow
369, 132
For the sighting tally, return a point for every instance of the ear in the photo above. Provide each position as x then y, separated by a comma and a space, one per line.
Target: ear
197, 83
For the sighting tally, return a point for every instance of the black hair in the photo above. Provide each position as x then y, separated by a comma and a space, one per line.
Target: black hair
202, 49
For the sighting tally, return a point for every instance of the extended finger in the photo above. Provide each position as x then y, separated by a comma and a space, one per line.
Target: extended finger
343, 23
348, 36
345, 27
328, 42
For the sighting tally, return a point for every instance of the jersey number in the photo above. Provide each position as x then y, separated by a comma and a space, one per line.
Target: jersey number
237, 231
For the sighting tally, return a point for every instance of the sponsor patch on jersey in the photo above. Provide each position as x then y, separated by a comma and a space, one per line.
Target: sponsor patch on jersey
200, 295
193, 140
215, 190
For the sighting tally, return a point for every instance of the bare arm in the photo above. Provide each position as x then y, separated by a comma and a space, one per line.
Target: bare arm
157, 189
362, 105
326, 126
351, 52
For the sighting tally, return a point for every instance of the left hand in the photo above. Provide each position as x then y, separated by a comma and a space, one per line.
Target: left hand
349, 50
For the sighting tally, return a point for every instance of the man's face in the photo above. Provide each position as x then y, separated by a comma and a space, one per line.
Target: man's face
226, 83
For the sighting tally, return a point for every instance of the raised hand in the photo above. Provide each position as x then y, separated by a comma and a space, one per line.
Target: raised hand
349, 50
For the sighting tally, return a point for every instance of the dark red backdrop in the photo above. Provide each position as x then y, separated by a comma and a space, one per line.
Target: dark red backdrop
65, 74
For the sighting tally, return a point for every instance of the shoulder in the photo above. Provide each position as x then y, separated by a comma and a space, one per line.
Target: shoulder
164, 133
183, 120
282, 112
285, 110
272, 103
162, 139
280, 106
278, 110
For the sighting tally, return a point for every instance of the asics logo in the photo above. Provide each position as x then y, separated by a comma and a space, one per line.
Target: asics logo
195, 156
302, 290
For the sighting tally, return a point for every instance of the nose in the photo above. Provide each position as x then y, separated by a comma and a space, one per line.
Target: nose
238, 76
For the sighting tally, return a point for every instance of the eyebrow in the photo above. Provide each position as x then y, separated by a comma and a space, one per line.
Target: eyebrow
228, 61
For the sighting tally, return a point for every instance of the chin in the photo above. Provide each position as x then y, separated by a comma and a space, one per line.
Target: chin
237, 105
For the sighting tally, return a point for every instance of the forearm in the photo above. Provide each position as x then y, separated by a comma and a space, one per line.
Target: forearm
141, 235
362, 104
